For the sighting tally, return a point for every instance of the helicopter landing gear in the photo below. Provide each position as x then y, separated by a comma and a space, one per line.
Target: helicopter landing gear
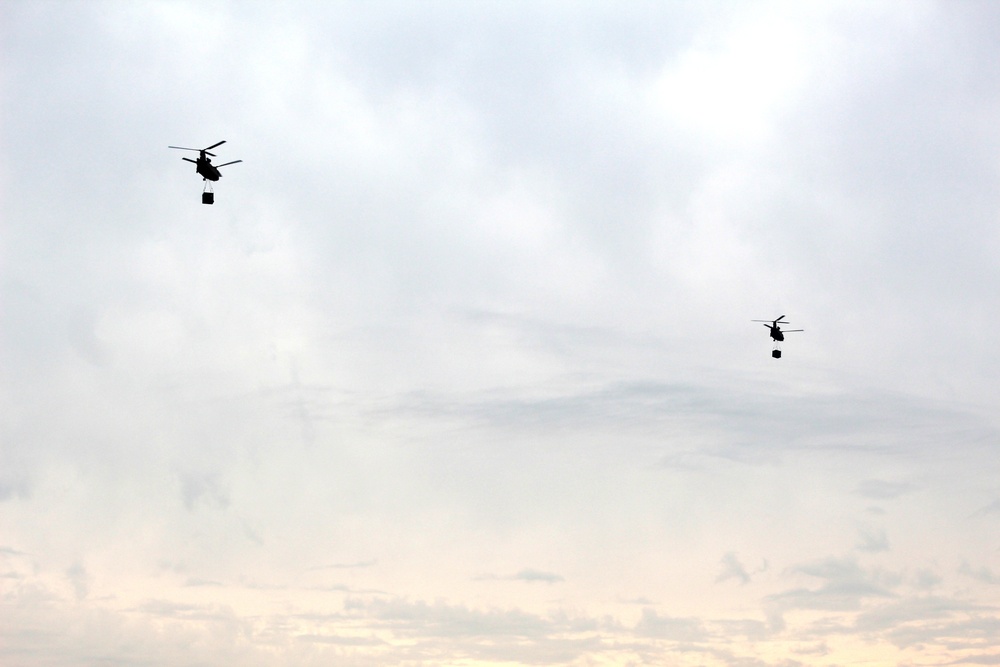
207, 195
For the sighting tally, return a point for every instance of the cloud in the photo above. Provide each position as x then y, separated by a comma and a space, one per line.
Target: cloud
989, 510
530, 575
341, 641
732, 568
203, 489
845, 587
959, 632
818, 421
877, 489
489, 634
79, 579
442, 619
527, 575
981, 574
978, 659
14, 486
202, 583
168, 609
909, 613
348, 566
873, 540
686, 630
12, 552
926, 579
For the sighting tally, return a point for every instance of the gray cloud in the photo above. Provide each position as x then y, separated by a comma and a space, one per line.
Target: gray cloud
14, 487
732, 568
687, 630
877, 489
79, 579
927, 579
845, 586
513, 634
981, 574
203, 489
455, 620
980, 659
531, 575
872, 540
348, 566
527, 575
989, 510
341, 641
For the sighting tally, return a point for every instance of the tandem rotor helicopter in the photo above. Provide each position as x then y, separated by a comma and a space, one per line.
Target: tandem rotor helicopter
208, 171
777, 335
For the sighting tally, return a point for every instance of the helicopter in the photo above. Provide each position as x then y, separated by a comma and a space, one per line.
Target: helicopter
204, 166
777, 335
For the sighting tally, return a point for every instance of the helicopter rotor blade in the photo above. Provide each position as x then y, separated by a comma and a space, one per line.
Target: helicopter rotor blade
791, 330
190, 160
779, 319
214, 145
226, 163
197, 150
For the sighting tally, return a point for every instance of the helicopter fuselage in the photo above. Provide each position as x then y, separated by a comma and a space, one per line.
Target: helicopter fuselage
205, 168
776, 334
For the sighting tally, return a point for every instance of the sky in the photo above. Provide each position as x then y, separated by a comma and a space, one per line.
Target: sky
459, 369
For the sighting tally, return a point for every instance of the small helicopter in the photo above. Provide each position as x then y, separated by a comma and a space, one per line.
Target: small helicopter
204, 166
777, 335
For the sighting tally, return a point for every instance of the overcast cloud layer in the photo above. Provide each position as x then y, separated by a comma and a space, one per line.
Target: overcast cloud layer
459, 368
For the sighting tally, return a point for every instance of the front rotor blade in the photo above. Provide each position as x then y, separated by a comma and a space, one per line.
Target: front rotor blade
791, 330
225, 163
181, 148
189, 160
214, 145
779, 319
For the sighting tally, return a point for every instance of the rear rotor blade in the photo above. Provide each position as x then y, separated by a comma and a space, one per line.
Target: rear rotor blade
181, 148
791, 330
214, 145
190, 160
779, 319
225, 163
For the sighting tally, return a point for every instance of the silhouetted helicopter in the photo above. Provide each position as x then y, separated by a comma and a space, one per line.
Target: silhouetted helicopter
209, 172
777, 335
203, 165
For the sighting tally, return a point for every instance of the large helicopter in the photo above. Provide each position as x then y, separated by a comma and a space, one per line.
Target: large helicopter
203, 165
777, 335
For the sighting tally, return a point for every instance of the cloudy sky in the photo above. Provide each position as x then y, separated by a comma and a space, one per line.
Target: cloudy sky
459, 368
